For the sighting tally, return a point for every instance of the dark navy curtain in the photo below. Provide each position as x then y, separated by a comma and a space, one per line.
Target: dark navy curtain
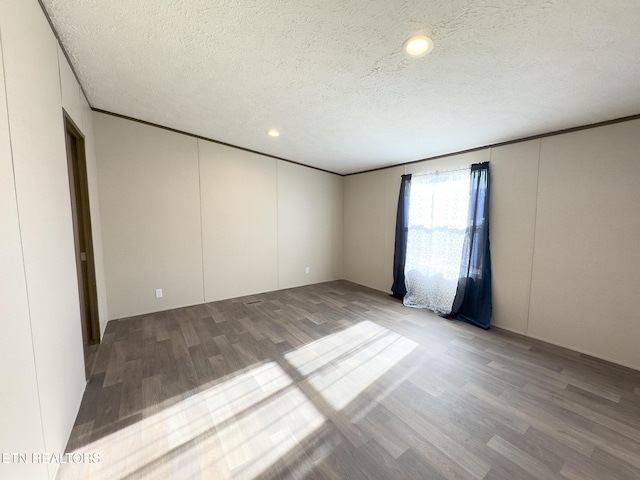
473, 297
398, 288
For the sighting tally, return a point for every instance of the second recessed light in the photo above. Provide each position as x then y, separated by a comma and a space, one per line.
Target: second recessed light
273, 133
418, 45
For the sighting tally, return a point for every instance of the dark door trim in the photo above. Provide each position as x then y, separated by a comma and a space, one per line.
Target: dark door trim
85, 265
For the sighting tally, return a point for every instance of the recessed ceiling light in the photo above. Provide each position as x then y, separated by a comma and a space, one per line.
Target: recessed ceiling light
418, 45
273, 133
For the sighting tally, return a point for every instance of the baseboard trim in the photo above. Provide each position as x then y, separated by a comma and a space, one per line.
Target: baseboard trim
568, 347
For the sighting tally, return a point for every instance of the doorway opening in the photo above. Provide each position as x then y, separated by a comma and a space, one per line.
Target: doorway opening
79, 190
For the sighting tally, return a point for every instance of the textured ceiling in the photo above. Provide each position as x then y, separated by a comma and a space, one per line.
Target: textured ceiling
332, 77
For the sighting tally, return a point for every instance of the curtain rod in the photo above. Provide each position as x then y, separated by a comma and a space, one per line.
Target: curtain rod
438, 172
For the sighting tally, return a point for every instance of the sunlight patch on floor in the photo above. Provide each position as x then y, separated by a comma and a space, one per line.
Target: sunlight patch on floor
342, 365
238, 429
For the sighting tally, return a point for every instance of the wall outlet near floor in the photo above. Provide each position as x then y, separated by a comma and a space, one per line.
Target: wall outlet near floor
158, 293
306, 269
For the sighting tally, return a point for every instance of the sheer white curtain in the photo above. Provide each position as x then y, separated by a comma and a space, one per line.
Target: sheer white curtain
438, 207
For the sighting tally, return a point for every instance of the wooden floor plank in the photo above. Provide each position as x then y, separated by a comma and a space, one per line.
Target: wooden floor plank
336, 381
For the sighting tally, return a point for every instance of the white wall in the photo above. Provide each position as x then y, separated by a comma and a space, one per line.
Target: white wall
370, 203
150, 212
584, 289
42, 355
206, 222
514, 183
309, 225
564, 225
20, 426
239, 221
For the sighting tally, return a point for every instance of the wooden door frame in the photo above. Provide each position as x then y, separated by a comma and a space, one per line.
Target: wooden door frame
90, 321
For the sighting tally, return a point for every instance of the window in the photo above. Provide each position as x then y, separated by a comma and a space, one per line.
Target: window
438, 210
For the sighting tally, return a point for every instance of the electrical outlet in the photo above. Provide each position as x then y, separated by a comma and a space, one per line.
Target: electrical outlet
158, 293
306, 270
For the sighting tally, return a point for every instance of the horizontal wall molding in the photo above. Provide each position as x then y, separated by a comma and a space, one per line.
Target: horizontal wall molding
200, 137
444, 155
500, 144
507, 142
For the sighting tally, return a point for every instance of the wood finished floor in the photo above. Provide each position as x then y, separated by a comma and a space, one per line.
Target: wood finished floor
337, 381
